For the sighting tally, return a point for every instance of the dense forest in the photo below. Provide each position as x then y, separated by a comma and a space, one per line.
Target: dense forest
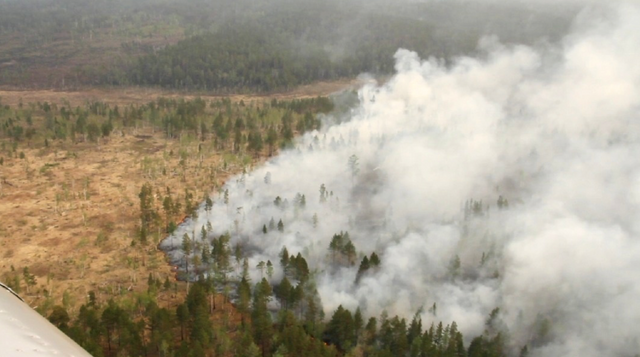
264, 57
307, 42
137, 326
243, 46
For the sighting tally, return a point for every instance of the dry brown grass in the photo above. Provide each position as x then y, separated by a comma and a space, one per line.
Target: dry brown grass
13, 96
51, 217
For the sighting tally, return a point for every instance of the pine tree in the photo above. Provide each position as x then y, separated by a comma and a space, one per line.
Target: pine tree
203, 233
283, 293
349, 251
269, 269
374, 260
206, 253
370, 331
182, 315
364, 266
358, 323
284, 257
245, 347
186, 249
244, 295
261, 266
261, 318
59, 317
147, 211
341, 329
399, 344
415, 328
454, 267
335, 246
208, 204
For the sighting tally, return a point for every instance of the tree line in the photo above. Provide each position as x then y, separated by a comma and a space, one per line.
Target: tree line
139, 326
237, 126
269, 54
302, 42
244, 45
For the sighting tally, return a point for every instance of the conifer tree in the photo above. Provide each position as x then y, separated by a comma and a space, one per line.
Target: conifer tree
269, 269
341, 329
260, 316
358, 323
284, 257
364, 266
283, 293
374, 260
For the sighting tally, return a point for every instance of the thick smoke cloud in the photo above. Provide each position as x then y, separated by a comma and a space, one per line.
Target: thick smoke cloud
554, 131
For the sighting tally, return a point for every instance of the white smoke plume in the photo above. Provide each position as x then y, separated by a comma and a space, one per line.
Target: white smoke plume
555, 131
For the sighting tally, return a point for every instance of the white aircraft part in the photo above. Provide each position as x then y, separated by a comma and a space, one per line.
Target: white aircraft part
23, 332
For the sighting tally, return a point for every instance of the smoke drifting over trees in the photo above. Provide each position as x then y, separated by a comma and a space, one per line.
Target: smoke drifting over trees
507, 181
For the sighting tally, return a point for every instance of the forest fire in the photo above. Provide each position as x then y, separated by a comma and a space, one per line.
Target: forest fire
420, 174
